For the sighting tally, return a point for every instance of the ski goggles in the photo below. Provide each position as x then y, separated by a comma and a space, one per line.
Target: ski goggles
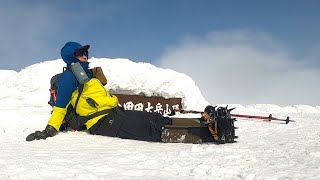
80, 52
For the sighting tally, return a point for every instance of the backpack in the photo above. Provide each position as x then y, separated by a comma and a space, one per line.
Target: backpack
96, 72
70, 121
225, 125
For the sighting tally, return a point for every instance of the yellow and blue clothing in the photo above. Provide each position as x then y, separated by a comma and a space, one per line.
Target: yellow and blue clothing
67, 91
117, 123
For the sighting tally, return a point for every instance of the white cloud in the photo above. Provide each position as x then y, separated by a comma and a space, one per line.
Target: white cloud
244, 67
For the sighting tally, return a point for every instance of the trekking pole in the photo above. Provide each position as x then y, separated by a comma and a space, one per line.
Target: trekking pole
269, 118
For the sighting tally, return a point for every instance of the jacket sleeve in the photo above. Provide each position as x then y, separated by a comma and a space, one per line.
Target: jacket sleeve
66, 85
57, 117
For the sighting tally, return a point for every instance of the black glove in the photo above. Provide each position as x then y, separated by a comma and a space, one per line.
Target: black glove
48, 132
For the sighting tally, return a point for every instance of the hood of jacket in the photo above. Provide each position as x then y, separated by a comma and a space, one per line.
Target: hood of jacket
67, 54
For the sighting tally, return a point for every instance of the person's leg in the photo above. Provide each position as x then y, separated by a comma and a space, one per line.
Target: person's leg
136, 125
107, 126
142, 125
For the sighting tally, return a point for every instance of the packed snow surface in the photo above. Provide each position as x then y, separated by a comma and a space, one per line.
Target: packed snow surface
264, 150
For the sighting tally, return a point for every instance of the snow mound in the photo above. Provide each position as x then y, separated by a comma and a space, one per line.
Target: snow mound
147, 79
5, 74
30, 85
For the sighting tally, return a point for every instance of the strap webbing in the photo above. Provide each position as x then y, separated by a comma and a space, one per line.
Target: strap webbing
84, 119
80, 90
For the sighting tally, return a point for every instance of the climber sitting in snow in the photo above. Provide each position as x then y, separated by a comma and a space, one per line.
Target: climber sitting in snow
82, 103
93, 107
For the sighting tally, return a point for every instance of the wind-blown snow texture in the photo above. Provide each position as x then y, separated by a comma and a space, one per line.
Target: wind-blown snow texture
265, 150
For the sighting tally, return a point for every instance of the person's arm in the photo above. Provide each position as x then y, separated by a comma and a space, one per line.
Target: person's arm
66, 85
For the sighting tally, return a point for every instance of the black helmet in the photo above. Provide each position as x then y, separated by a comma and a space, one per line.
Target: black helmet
210, 109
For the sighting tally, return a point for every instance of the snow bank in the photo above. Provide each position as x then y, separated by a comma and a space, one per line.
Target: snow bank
30, 85
145, 78
5, 74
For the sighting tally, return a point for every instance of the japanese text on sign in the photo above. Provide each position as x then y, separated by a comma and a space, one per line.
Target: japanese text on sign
158, 108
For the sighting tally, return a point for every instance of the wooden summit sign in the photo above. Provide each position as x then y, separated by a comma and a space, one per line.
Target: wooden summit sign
149, 104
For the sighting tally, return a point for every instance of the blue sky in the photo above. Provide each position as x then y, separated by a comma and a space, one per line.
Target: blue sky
159, 32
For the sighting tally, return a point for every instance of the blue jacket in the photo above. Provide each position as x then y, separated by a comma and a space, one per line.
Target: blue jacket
67, 82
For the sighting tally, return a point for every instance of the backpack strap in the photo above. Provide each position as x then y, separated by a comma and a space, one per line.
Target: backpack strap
83, 119
80, 90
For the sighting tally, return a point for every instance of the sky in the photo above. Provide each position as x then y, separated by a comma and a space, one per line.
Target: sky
241, 51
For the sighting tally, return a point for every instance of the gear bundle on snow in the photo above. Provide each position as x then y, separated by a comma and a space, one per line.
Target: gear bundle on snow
185, 130
226, 129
